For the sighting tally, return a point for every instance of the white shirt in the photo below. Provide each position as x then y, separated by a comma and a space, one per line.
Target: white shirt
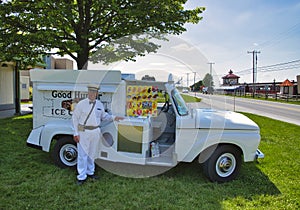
82, 110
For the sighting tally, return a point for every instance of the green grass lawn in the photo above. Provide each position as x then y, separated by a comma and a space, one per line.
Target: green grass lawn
189, 98
30, 180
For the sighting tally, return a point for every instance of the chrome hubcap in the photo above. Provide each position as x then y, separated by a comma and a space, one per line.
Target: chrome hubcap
68, 154
225, 165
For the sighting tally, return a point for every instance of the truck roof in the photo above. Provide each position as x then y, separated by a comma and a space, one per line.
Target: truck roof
75, 76
79, 79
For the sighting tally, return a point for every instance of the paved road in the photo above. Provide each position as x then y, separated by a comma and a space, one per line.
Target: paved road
280, 111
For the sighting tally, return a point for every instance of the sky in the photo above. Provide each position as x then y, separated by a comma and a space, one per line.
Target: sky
232, 28
228, 32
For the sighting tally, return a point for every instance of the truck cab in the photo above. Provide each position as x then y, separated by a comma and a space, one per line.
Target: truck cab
159, 129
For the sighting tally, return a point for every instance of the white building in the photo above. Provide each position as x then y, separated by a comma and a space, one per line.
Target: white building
7, 93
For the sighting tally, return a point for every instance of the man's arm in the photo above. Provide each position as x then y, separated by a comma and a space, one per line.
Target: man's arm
75, 121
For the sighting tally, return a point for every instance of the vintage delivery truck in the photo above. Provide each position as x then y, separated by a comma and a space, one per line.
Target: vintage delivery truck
150, 134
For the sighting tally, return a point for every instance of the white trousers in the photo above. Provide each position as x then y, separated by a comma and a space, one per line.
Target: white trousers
87, 147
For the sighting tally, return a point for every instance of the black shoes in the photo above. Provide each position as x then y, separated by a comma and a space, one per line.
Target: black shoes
92, 177
80, 182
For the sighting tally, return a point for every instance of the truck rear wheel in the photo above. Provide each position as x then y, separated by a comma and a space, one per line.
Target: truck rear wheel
224, 164
65, 152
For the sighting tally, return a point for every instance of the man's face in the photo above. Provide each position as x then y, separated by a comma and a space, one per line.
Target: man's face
92, 94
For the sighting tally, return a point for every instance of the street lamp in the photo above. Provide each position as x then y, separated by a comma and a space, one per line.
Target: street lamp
274, 88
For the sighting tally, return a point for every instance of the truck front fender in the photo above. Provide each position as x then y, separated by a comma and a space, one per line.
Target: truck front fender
247, 141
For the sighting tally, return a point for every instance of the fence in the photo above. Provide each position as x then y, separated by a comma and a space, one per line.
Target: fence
262, 94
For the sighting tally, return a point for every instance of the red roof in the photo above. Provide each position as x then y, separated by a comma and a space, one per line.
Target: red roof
286, 83
230, 75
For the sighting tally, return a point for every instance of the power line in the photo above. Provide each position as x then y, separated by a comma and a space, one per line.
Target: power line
280, 37
281, 66
275, 67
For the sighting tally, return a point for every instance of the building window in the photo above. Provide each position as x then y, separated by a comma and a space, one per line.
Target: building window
285, 90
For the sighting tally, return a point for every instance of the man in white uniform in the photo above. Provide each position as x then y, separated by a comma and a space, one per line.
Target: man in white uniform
87, 117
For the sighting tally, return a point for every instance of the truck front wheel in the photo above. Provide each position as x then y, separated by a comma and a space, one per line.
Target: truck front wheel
224, 164
65, 152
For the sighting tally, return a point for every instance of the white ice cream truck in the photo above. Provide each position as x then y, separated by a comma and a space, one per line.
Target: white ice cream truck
151, 138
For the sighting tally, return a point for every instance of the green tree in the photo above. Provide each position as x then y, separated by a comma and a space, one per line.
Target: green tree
80, 28
197, 85
208, 80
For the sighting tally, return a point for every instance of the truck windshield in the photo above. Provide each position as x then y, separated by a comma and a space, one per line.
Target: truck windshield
179, 103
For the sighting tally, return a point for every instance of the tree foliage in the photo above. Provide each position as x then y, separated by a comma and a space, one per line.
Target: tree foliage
208, 80
80, 28
197, 85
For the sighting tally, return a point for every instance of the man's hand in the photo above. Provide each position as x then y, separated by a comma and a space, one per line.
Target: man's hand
76, 138
118, 118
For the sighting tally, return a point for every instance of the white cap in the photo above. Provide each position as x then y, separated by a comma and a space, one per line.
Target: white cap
93, 87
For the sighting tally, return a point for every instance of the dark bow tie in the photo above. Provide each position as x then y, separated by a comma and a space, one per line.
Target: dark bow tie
91, 102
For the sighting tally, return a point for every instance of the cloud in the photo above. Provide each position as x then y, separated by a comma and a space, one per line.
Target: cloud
183, 47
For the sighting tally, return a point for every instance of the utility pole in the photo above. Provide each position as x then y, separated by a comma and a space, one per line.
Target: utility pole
187, 79
254, 60
195, 83
210, 72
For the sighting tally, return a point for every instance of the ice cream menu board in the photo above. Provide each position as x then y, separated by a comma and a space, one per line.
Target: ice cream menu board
141, 101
